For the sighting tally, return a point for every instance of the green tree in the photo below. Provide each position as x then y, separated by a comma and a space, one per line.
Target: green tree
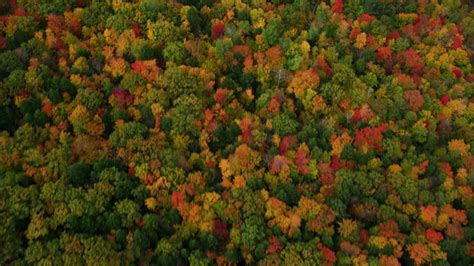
177, 82
45, 7
175, 52
130, 130
129, 212
95, 14
252, 231
222, 47
9, 62
283, 124
78, 173
183, 116
141, 49
162, 31
273, 31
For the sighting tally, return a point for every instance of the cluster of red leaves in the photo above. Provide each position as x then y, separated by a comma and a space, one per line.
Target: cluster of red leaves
220, 230
302, 159
328, 255
217, 31
122, 96
337, 6
412, 60
433, 236
370, 137
274, 245
414, 99
287, 143
148, 69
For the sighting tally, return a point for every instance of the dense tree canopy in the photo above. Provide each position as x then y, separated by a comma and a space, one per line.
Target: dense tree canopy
198, 132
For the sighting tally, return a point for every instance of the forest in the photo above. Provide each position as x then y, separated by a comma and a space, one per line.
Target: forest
237, 132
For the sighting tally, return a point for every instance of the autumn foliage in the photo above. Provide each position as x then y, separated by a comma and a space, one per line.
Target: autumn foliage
152, 132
